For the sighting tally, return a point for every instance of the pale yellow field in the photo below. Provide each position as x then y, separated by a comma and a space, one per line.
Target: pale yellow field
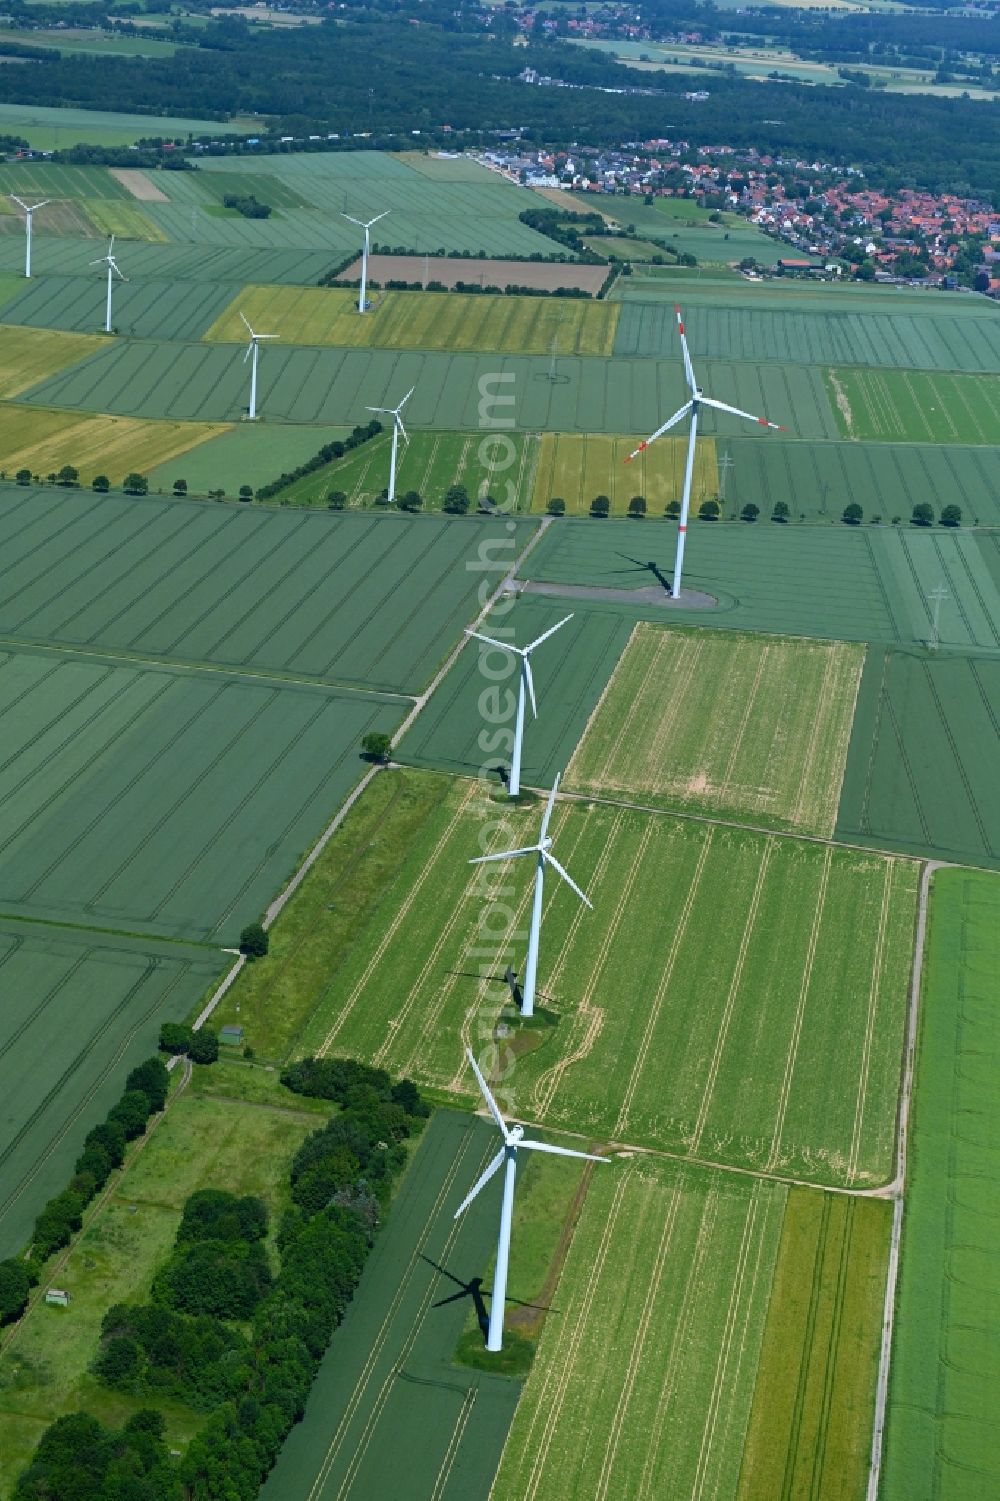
577, 468
43, 439
28, 355
423, 320
749, 727
113, 216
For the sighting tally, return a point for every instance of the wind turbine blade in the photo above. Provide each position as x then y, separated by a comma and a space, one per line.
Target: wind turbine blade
249, 352
528, 849
378, 409
267, 336
406, 398
402, 429
44, 204
246, 325
377, 218
529, 683
548, 810
672, 422
491, 641
481, 1182
550, 632
720, 406
688, 367
567, 878
494, 1108
353, 220
19, 201
111, 247
101, 261
543, 1146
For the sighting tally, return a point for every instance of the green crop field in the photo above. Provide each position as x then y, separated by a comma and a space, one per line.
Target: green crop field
915, 406
161, 801
810, 1426
745, 726
77, 41
250, 453
818, 480
562, 393
734, 1054
30, 354
53, 129
740, 330
942, 1440
43, 440
919, 772
146, 308
390, 1413
361, 599
579, 468
202, 1141
423, 320
53, 180
451, 209
81, 1008
847, 583
429, 463
166, 263
622, 248
682, 1316
570, 673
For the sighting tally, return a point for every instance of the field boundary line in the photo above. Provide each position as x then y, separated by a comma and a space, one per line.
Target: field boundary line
898, 1185
600, 702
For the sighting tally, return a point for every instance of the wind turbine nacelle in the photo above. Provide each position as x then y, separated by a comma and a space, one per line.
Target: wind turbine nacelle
515, 1134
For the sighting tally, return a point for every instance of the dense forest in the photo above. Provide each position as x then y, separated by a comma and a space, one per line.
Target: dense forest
377, 76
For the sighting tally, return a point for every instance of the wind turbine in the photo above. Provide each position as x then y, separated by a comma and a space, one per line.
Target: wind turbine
698, 400
28, 213
513, 1138
112, 265
524, 652
366, 226
251, 355
543, 851
397, 428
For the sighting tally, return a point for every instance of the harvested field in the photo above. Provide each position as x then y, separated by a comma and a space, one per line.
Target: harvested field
748, 727
139, 185
28, 355
449, 270
43, 440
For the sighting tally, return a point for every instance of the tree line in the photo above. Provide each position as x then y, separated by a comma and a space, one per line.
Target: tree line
222, 1331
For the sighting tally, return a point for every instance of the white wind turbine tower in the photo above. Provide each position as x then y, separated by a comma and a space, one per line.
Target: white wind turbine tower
698, 400
252, 352
543, 856
513, 1138
366, 226
113, 271
397, 428
28, 211
526, 682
